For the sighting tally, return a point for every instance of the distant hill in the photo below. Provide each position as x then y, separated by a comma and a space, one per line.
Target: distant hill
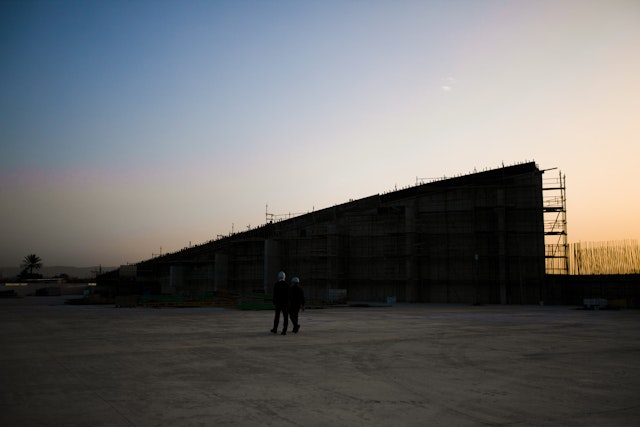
47, 272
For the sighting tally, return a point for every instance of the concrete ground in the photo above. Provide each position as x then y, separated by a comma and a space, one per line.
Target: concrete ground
436, 365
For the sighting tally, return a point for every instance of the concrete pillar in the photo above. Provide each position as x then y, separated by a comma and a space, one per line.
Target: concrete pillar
211, 276
176, 277
271, 263
331, 275
221, 271
502, 246
411, 280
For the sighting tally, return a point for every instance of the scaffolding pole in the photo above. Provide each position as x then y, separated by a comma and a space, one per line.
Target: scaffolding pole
554, 209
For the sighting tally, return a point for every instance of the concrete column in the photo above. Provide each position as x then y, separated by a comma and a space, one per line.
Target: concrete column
331, 275
411, 281
271, 263
211, 276
502, 246
176, 277
221, 271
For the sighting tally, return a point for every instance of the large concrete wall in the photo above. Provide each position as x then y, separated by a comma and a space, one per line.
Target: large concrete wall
478, 238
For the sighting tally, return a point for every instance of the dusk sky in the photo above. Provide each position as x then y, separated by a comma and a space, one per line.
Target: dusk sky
131, 126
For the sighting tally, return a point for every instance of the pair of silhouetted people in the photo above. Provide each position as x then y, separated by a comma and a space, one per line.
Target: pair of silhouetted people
288, 300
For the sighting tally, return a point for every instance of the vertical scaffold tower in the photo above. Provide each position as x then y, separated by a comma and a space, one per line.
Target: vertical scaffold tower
554, 207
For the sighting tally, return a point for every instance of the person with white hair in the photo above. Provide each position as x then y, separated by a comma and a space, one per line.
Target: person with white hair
281, 304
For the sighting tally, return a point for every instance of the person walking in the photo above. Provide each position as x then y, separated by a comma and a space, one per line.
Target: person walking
296, 302
281, 304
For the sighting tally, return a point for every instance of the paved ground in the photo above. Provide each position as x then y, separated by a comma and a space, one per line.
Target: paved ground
386, 366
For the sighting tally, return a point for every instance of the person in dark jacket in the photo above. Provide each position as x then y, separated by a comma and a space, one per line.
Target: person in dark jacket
296, 302
281, 303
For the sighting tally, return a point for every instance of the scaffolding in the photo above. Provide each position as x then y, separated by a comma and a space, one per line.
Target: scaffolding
271, 217
554, 208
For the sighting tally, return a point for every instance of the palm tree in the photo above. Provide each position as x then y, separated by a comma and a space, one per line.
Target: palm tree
32, 261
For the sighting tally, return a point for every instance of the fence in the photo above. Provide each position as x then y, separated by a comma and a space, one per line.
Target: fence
612, 257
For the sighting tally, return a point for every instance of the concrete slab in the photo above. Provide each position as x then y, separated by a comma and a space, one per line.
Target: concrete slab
400, 365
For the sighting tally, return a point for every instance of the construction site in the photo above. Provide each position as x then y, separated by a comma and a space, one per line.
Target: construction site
485, 237
451, 302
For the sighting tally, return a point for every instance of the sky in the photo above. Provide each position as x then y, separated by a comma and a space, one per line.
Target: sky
134, 128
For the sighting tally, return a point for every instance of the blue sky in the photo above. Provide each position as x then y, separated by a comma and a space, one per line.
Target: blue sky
126, 127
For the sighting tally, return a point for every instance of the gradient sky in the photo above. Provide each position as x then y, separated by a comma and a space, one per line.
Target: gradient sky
131, 127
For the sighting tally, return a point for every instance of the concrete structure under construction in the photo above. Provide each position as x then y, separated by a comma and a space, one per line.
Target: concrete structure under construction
477, 238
